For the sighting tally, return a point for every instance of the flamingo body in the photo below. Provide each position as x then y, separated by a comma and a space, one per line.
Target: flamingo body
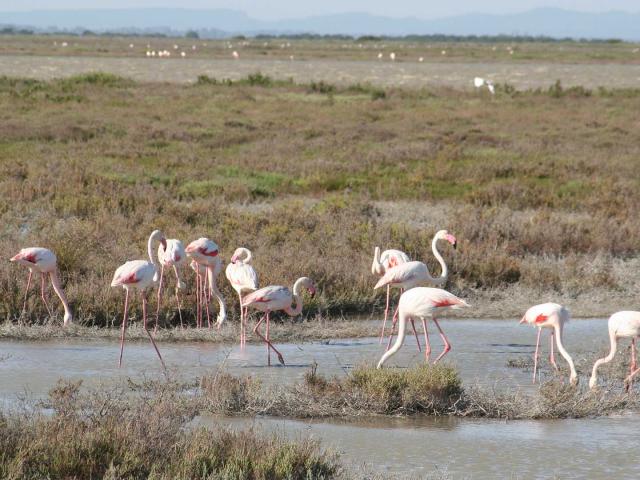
205, 252
135, 274
243, 278
420, 303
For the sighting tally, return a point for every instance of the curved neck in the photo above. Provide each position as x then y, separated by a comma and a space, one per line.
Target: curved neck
402, 324
213, 288
248, 256
564, 353
376, 267
55, 282
607, 359
150, 249
445, 271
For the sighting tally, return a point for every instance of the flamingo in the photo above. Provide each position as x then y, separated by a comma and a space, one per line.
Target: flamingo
553, 316
420, 303
205, 253
621, 324
139, 275
242, 277
172, 256
42, 260
410, 274
275, 297
381, 263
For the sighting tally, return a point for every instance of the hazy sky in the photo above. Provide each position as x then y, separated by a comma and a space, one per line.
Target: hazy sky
273, 9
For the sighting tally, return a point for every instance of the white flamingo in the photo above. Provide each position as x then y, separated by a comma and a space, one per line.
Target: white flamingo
243, 278
624, 324
552, 316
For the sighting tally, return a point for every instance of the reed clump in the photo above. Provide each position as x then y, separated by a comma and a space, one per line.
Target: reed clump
116, 434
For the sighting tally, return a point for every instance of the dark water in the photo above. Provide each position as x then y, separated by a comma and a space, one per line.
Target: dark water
465, 448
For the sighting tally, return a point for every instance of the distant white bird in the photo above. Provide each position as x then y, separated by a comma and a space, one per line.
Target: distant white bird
182, 54
193, 47
421, 59
479, 82
443, 52
392, 56
131, 45
153, 53
235, 55
291, 57
380, 56
175, 47
148, 53
64, 44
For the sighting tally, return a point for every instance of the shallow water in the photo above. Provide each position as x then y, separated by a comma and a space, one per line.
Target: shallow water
466, 448
459, 75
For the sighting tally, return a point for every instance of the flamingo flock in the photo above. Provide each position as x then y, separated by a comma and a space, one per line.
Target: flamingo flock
421, 297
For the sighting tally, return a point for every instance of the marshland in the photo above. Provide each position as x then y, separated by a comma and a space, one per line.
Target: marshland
539, 184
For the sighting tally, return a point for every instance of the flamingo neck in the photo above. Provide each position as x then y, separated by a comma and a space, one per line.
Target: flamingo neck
376, 267
607, 359
402, 330
565, 354
150, 242
213, 288
55, 282
445, 271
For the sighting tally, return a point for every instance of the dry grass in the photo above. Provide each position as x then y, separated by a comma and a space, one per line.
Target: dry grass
114, 435
431, 390
539, 187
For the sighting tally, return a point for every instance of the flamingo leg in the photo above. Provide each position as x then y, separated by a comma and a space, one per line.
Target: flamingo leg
44, 299
633, 366
413, 325
155, 329
144, 318
266, 340
427, 345
241, 321
552, 357
197, 300
246, 320
447, 345
535, 355
179, 282
26, 292
124, 325
393, 329
386, 314
206, 298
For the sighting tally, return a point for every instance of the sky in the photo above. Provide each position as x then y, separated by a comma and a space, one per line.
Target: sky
281, 9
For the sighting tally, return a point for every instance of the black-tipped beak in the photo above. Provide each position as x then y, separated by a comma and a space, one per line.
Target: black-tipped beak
455, 245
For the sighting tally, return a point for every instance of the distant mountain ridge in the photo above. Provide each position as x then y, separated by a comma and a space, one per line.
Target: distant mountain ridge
552, 22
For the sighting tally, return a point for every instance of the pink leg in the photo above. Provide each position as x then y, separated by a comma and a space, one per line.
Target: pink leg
44, 299
552, 357
206, 298
413, 325
447, 345
179, 310
266, 340
26, 292
144, 322
535, 356
198, 307
427, 348
386, 314
628, 383
245, 319
241, 321
124, 325
393, 329
267, 336
155, 329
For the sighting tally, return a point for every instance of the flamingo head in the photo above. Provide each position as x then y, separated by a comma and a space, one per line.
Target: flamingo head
444, 235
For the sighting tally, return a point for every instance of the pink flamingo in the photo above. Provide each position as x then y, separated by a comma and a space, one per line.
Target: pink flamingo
553, 316
205, 253
242, 277
411, 274
139, 275
173, 256
381, 263
420, 303
44, 261
621, 324
275, 297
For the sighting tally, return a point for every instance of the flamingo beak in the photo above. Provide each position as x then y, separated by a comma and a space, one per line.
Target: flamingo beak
233, 259
312, 292
452, 240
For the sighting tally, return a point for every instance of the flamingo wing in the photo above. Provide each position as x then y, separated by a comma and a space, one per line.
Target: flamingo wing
399, 274
242, 276
392, 258
273, 295
134, 272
